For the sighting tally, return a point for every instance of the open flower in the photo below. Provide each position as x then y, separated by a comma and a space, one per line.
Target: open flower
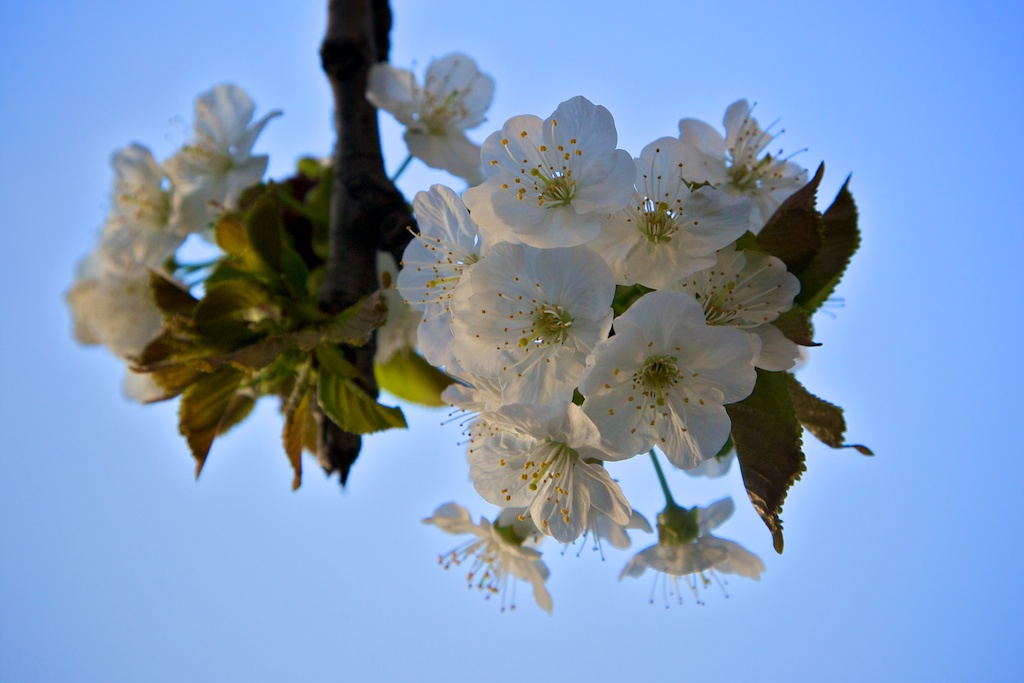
454, 98
686, 548
545, 458
433, 263
214, 168
748, 290
738, 163
533, 317
496, 554
550, 182
669, 229
664, 378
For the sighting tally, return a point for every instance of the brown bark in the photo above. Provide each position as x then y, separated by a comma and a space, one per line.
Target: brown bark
367, 211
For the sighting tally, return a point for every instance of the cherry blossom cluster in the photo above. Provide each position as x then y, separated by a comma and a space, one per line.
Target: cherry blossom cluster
154, 208
518, 280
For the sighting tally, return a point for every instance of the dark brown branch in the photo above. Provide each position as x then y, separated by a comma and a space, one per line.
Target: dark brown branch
367, 211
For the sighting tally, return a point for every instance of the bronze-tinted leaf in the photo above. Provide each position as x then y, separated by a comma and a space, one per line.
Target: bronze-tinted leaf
820, 417
295, 436
204, 405
173, 300
768, 442
796, 325
224, 315
840, 239
793, 233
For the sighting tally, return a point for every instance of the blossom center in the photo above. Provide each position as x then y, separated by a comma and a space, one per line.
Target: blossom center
551, 325
559, 189
657, 222
658, 375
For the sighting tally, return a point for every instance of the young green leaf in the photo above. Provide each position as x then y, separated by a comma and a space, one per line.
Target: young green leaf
263, 226
768, 442
356, 323
407, 375
351, 408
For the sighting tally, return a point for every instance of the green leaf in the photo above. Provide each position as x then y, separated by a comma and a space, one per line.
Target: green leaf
821, 418
407, 375
793, 233
840, 239
768, 442
627, 296
310, 167
231, 235
263, 226
331, 358
351, 408
204, 405
795, 324
356, 323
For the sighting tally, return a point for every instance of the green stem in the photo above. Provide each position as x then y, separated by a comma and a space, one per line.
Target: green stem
669, 501
401, 169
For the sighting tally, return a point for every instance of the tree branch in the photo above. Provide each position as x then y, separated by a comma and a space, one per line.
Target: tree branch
367, 211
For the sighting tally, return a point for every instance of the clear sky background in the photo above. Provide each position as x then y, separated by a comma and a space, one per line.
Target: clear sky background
115, 565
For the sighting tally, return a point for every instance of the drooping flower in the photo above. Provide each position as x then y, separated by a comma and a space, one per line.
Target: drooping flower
738, 163
686, 549
545, 458
498, 553
601, 527
447, 245
533, 317
748, 290
663, 379
454, 97
550, 182
669, 229
212, 170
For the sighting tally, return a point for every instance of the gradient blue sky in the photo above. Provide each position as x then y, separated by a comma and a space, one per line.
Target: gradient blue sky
115, 565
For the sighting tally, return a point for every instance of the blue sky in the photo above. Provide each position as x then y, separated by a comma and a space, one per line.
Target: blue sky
116, 565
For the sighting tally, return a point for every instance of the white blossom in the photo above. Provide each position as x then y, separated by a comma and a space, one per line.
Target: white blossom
663, 379
668, 229
533, 317
454, 97
550, 182
687, 549
739, 164
545, 458
448, 243
748, 290
496, 554
210, 172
